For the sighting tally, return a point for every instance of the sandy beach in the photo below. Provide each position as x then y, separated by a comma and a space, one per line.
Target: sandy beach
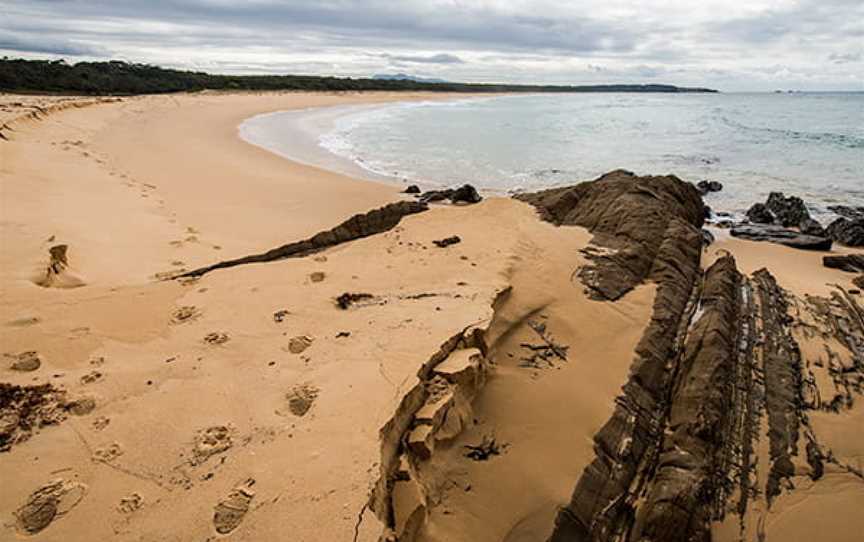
246, 404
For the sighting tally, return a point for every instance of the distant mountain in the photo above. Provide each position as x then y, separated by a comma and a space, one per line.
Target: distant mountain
406, 77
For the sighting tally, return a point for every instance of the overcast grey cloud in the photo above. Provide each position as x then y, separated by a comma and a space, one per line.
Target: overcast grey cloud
757, 45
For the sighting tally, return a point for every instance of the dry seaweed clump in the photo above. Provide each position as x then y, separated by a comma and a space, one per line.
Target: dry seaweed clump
24, 409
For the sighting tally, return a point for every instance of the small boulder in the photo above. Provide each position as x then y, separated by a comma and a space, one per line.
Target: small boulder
27, 362
847, 232
789, 211
759, 214
707, 237
465, 194
447, 241
436, 195
412, 189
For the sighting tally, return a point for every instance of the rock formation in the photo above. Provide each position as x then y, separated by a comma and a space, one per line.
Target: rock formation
356, 227
849, 232
783, 236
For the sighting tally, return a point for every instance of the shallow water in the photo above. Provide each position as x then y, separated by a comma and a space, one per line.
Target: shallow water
807, 144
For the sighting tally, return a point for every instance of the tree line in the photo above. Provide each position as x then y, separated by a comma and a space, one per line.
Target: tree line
120, 78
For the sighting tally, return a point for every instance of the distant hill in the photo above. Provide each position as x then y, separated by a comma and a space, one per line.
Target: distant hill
116, 77
406, 77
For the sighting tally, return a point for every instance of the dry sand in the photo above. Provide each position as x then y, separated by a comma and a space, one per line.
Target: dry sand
245, 403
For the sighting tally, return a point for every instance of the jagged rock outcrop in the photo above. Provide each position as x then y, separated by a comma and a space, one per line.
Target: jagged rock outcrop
677, 507
783, 236
758, 213
356, 227
810, 226
788, 211
849, 232
649, 224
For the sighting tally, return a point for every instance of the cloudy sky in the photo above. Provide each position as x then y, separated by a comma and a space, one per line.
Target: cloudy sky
726, 44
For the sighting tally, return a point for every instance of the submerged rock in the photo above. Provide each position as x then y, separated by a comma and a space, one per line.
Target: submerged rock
847, 232
709, 186
783, 236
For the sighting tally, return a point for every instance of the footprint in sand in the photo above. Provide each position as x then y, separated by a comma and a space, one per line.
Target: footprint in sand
101, 423
130, 504
81, 406
209, 442
48, 503
300, 400
91, 377
184, 314
108, 453
216, 337
26, 362
229, 513
299, 343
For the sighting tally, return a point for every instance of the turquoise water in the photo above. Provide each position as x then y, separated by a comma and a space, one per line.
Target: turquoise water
808, 144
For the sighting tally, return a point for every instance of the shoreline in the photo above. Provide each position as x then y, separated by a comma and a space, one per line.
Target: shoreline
248, 399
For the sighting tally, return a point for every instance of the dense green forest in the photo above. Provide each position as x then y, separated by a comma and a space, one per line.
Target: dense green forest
116, 77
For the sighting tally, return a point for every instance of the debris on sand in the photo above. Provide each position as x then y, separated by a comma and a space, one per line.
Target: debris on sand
216, 337
483, 451
279, 316
57, 273
209, 442
542, 354
301, 398
48, 503
230, 511
446, 242
24, 409
299, 343
347, 299
26, 362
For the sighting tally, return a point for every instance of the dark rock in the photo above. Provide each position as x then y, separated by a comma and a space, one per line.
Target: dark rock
27, 362
356, 227
789, 211
651, 222
852, 263
465, 194
707, 212
847, 232
674, 509
709, 186
24, 409
412, 189
859, 281
436, 195
653, 225
758, 213
847, 212
810, 226
776, 234
707, 237
347, 299
446, 242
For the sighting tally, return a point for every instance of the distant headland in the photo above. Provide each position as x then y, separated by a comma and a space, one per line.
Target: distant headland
120, 78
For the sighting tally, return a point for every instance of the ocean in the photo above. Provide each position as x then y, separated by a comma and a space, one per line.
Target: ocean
807, 144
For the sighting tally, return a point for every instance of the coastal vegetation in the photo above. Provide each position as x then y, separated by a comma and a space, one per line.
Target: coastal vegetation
118, 78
